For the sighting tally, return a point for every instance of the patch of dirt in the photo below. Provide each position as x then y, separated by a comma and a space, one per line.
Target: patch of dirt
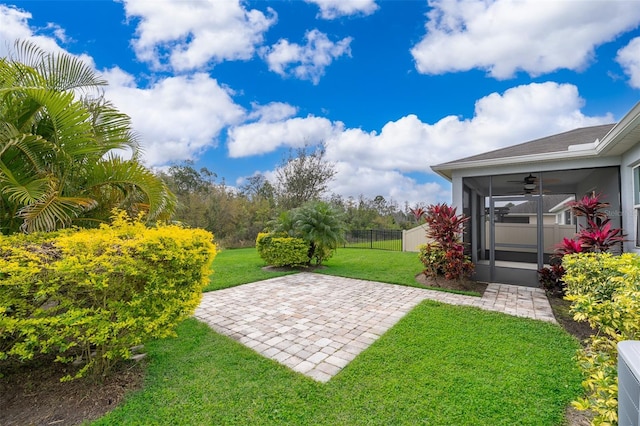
581, 330
463, 284
574, 417
32, 394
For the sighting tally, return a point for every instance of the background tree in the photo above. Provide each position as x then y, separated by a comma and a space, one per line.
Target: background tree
57, 141
186, 179
303, 176
193, 190
258, 188
234, 216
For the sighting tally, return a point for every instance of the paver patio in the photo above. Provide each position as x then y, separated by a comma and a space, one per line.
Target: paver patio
316, 324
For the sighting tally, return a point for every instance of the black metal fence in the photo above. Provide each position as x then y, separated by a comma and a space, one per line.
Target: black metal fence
382, 239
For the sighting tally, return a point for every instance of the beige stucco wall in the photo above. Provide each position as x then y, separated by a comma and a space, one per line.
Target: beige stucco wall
506, 233
518, 233
414, 238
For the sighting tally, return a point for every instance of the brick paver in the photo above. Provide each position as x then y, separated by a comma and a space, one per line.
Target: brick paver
316, 324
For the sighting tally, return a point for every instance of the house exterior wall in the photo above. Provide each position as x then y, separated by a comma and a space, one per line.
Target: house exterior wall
547, 219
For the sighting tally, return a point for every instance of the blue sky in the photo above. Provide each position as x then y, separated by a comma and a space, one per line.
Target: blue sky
390, 86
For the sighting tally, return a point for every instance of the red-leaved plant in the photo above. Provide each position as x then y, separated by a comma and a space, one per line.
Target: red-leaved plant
597, 236
567, 246
418, 213
445, 227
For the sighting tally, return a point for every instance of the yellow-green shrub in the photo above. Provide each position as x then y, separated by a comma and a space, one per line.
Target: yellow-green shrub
282, 251
605, 291
96, 293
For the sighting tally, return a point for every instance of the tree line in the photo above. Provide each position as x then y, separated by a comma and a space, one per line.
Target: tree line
236, 215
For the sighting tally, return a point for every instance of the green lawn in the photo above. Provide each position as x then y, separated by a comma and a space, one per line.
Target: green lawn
241, 266
440, 365
395, 267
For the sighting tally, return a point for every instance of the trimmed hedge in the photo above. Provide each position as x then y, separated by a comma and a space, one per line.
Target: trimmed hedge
605, 291
93, 294
282, 251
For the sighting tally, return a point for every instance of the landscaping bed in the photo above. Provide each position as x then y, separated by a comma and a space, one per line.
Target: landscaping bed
199, 368
32, 394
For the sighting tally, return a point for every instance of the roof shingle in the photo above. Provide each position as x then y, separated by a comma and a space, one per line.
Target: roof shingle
554, 143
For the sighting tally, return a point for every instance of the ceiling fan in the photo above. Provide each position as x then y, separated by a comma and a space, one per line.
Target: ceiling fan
529, 183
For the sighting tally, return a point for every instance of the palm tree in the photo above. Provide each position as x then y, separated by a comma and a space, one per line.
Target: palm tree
57, 140
319, 224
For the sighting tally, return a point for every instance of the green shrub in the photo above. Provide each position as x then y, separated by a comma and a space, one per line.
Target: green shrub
605, 291
317, 223
433, 257
282, 251
598, 236
93, 294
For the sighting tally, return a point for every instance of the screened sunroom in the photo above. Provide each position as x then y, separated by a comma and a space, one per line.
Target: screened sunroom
517, 196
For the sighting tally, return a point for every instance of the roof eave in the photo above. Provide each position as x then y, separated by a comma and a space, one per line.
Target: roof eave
446, 170
629, 122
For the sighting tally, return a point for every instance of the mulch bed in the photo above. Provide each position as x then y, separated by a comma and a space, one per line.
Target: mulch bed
463, 284
32, 394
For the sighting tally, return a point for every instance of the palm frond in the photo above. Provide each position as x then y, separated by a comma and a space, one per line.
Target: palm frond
15, 73
31, 148
62, 71
113, 129
69, 118
55, 131
22, 192
131, 177
53, 211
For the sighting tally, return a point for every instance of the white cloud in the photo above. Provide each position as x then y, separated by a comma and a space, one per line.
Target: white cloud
331, 9
370, 182
520, 114
14, 25
191, 34
376, 163
178, 117
504, 36
306, 62
274, 111
629, 58
266, 136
